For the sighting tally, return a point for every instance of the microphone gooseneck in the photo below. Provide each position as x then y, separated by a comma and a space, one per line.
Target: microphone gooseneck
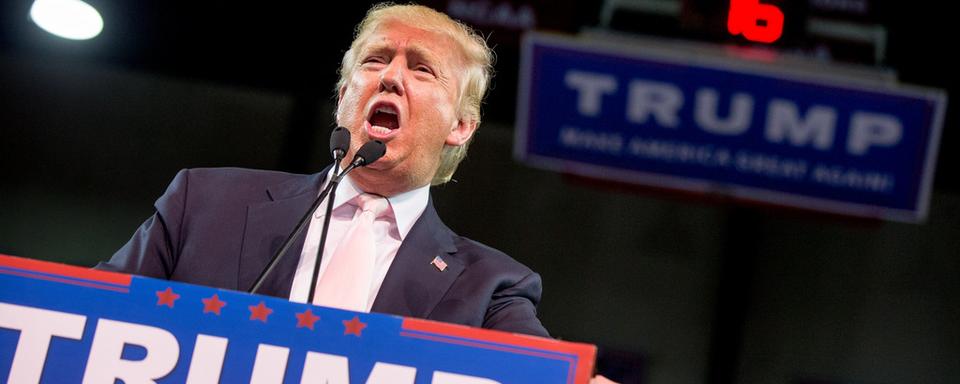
368, 153
339, 144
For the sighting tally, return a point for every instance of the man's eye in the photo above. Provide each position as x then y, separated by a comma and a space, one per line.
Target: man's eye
424, 69
373, 59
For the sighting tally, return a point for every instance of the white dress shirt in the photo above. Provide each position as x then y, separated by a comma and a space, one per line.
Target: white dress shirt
407, 208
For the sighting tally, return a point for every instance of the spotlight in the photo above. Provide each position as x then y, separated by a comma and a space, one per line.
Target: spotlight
69, 19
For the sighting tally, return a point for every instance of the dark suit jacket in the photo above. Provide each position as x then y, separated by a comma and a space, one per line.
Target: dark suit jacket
219, 227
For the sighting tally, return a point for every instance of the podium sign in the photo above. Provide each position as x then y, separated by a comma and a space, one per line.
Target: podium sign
64, 324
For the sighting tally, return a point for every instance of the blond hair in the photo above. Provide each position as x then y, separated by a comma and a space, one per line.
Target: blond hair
476, 75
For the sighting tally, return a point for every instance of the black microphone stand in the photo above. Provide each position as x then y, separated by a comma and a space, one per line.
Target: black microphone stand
289, 241
365, 152
368, 153
339, 144
323, 238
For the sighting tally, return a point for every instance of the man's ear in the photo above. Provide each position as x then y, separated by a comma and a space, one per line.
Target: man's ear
462, 132
343, 89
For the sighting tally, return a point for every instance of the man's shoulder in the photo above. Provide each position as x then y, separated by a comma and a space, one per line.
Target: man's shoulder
218, 186
233, 175
477, 254
237, 179
472, 253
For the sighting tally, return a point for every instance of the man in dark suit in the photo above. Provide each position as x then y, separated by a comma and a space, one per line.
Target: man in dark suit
414, 79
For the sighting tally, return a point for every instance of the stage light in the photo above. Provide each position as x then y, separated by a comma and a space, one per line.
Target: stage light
69, 19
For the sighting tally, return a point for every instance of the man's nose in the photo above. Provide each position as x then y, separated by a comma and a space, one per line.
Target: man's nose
391, 79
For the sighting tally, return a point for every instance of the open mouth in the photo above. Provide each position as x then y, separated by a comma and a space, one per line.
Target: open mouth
384, 119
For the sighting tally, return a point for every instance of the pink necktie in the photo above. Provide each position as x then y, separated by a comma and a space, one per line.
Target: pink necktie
346, 282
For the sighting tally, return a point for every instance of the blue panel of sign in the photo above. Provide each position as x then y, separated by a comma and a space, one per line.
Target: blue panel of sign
709, 124
61, 324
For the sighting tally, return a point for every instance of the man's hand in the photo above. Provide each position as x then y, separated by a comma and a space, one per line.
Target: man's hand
599, 379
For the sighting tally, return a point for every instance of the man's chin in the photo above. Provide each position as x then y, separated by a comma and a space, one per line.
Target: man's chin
379, 170
381, 165
383, 179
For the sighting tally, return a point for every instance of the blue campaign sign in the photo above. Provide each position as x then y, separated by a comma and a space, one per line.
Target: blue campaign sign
802, 138
63, 324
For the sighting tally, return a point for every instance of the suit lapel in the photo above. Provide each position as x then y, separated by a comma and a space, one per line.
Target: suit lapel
413, 286
268, 225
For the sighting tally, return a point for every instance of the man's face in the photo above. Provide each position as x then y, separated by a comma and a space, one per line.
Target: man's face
404, 91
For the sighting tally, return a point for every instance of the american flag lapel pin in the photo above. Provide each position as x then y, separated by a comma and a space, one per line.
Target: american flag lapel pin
439, 263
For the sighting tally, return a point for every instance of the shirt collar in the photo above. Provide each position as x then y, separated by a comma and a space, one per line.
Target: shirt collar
407, 207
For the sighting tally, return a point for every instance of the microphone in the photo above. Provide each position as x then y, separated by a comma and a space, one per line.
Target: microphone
368, 153
339, 144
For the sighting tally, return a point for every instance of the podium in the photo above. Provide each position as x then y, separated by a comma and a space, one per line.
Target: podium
65, 324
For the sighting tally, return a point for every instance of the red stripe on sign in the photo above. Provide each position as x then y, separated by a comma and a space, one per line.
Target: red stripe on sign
520, 351
44, 276
51, 268
585, 353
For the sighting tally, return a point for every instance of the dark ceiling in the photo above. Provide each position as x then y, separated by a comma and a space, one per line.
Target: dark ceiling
282, 45
295, 46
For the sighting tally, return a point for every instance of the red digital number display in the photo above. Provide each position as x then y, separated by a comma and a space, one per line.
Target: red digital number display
762, 23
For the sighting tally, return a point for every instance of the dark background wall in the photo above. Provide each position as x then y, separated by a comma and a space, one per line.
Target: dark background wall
675, 289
